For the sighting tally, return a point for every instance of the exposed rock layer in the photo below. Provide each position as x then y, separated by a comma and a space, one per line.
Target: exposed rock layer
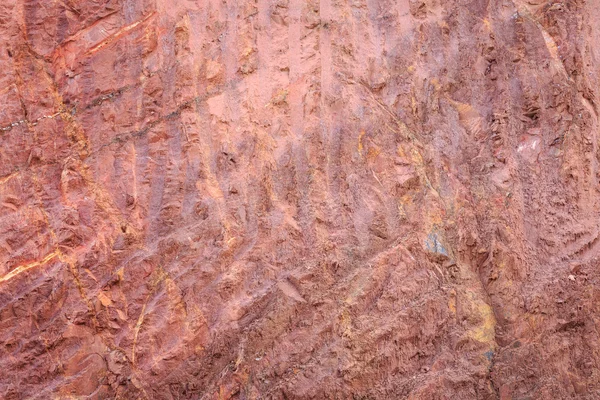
299, 199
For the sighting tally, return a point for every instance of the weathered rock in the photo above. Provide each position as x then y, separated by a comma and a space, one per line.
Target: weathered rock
299, 199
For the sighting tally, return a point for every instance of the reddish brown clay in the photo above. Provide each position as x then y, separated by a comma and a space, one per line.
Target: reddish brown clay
299, 199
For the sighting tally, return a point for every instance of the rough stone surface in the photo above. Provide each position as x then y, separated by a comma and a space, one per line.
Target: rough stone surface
301, 199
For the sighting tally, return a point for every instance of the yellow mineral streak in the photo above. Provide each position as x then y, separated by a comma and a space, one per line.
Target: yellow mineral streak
121, 32
485, 331
26, 267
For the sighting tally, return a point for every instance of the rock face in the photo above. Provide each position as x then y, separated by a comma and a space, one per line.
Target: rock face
301, 199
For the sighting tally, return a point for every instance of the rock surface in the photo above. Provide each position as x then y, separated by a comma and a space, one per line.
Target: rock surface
301, 199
